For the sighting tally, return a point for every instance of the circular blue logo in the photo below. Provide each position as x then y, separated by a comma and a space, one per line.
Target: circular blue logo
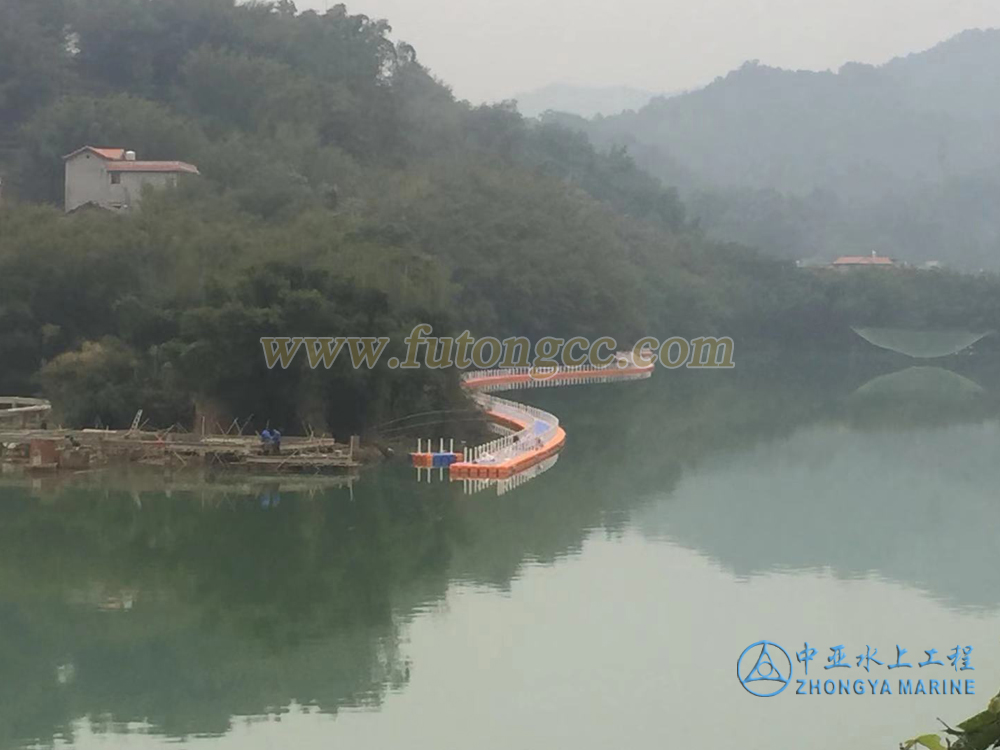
759, 674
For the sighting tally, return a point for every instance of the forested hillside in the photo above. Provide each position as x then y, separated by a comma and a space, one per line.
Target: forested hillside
901, 158
344, 191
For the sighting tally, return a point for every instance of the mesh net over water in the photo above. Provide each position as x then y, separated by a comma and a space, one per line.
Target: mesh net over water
920, 344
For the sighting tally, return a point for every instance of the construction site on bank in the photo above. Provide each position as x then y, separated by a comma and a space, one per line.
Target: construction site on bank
27, 442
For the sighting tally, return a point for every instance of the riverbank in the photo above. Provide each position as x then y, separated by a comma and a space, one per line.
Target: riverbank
42, 450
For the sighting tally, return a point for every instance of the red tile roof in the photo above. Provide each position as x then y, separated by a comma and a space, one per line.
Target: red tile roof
863, 260
106, 153
153, 166
118, 163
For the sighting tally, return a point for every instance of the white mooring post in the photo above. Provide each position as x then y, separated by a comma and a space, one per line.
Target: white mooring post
451, 445
418, 445
441, 446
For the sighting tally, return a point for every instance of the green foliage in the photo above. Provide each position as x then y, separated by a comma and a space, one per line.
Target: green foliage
151, 129
979, 732
259, 94
33, 57
344, 191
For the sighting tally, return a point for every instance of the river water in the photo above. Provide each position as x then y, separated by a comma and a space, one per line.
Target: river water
603, 604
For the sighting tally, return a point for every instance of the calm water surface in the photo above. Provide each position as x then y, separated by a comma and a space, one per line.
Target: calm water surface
601, 605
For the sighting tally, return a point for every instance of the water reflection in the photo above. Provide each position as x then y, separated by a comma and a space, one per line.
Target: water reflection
902, 467
916, 397
920, 511
184, 613
177, 604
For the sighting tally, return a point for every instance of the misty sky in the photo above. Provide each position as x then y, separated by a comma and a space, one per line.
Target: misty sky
492, 49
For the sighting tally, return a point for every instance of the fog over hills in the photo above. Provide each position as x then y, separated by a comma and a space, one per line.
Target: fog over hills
585, 101
900, 158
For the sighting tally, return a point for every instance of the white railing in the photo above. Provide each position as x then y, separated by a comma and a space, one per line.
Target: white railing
20, 413
541, 425
540, 428
542, 377
500, 429
17, 405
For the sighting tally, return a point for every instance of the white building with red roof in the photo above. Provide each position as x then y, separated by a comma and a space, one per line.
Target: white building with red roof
113, 178
863, 261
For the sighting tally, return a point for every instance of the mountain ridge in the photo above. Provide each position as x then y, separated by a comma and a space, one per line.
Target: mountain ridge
883, 143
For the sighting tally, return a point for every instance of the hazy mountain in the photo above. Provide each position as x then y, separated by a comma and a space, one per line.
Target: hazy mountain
899, 157
586, 101
924, 117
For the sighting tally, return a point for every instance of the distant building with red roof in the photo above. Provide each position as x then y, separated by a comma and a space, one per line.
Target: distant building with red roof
859, 261
113, 178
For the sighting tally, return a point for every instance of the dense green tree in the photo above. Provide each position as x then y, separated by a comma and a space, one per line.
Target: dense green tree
344, 191
34, 55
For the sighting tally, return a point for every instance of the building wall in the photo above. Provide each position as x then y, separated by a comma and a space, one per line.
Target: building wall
133, 183
87, 181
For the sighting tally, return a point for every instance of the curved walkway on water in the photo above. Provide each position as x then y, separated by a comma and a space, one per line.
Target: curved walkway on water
529, 436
